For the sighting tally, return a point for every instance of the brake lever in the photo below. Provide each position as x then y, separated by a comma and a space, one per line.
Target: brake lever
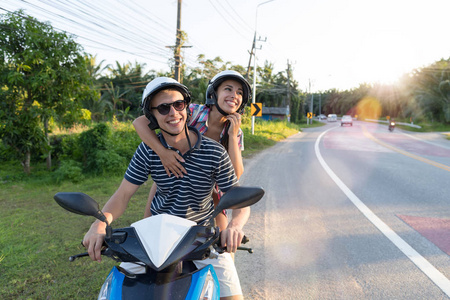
74, 257
249, 250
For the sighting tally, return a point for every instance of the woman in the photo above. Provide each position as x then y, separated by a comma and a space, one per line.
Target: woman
219, 119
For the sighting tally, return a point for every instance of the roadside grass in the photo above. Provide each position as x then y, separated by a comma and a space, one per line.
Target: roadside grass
37, 236
267, 134
427, 127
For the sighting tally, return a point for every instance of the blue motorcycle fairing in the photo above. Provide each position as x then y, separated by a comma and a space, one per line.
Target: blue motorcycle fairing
160, 286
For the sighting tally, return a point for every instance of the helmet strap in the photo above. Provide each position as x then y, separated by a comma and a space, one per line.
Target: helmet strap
185, 131
216, 104
187, 136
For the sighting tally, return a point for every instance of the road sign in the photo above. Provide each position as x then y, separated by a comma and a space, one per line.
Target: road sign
256, 109
310, 115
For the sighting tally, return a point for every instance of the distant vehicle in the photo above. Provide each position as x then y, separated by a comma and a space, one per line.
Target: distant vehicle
322, 117
332, 118
391, 125
346, 119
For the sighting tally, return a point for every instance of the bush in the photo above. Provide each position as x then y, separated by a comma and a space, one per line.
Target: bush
91, 141
5, 152
69, 170
124, 141
106, 148
66, 146
109, 162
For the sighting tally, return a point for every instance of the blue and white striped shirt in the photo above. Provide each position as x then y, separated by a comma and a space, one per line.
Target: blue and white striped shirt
189, 197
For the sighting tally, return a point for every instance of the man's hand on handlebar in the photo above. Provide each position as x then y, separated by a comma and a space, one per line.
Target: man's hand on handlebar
231, 238
93, 240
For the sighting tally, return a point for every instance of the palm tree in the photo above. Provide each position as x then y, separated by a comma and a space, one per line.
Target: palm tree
115, 95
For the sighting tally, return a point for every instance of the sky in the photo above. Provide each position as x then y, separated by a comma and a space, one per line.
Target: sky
328, 43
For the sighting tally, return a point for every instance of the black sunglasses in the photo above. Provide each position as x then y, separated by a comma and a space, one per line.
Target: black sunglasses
164, 108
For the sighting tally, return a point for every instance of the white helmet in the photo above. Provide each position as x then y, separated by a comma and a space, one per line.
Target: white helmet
156, 85
211, 96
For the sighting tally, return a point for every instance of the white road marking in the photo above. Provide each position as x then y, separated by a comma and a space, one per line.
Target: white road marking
426, 267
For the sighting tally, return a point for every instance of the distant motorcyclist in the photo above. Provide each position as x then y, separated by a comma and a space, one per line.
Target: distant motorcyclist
391, 125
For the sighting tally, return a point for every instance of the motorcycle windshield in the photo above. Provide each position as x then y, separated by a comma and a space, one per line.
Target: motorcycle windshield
161, 234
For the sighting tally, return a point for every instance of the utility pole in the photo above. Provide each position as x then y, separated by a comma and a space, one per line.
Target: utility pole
254, 77
254, 62
177, 47
288, 91
320, 103
177, 44
312, 100
247, 76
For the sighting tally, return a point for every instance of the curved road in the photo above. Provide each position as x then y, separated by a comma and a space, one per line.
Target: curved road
350, 213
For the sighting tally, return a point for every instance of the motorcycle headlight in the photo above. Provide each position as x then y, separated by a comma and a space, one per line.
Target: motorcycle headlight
105, 291
112, 287
208, 290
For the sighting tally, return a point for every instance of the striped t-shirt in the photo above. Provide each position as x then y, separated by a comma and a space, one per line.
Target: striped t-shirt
189, 197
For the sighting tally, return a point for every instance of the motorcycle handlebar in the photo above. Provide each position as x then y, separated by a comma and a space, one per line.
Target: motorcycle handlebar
219, 247
244, 241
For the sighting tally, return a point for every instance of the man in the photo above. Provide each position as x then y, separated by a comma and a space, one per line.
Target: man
165, 103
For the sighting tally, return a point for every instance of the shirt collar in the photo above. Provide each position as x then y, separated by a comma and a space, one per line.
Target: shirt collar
204, 114
194, 147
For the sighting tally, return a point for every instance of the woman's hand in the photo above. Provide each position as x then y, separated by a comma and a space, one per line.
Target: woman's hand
171, 163
235, 124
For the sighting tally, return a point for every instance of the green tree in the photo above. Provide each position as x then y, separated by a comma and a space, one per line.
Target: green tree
430, 86
122, 89
43, 75
197, 78
95, 103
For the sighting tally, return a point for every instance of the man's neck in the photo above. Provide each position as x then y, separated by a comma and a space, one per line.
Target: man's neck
180, 141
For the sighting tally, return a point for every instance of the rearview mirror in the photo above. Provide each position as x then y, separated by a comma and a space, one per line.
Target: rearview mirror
81, 204
239, 197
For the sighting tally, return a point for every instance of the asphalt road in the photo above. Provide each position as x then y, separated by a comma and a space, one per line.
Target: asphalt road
350, 213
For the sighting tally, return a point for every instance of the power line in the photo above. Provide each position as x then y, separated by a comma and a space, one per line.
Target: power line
100, 25
105, 40
226, 20
96, 42
242, 20
105, 30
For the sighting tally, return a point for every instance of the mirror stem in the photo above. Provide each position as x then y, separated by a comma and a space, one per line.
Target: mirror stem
103, 218
108, 231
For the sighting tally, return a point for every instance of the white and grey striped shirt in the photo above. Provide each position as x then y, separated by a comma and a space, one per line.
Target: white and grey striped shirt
189, 197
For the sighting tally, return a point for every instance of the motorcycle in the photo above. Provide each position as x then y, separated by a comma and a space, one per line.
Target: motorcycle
161, 250
391, 126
